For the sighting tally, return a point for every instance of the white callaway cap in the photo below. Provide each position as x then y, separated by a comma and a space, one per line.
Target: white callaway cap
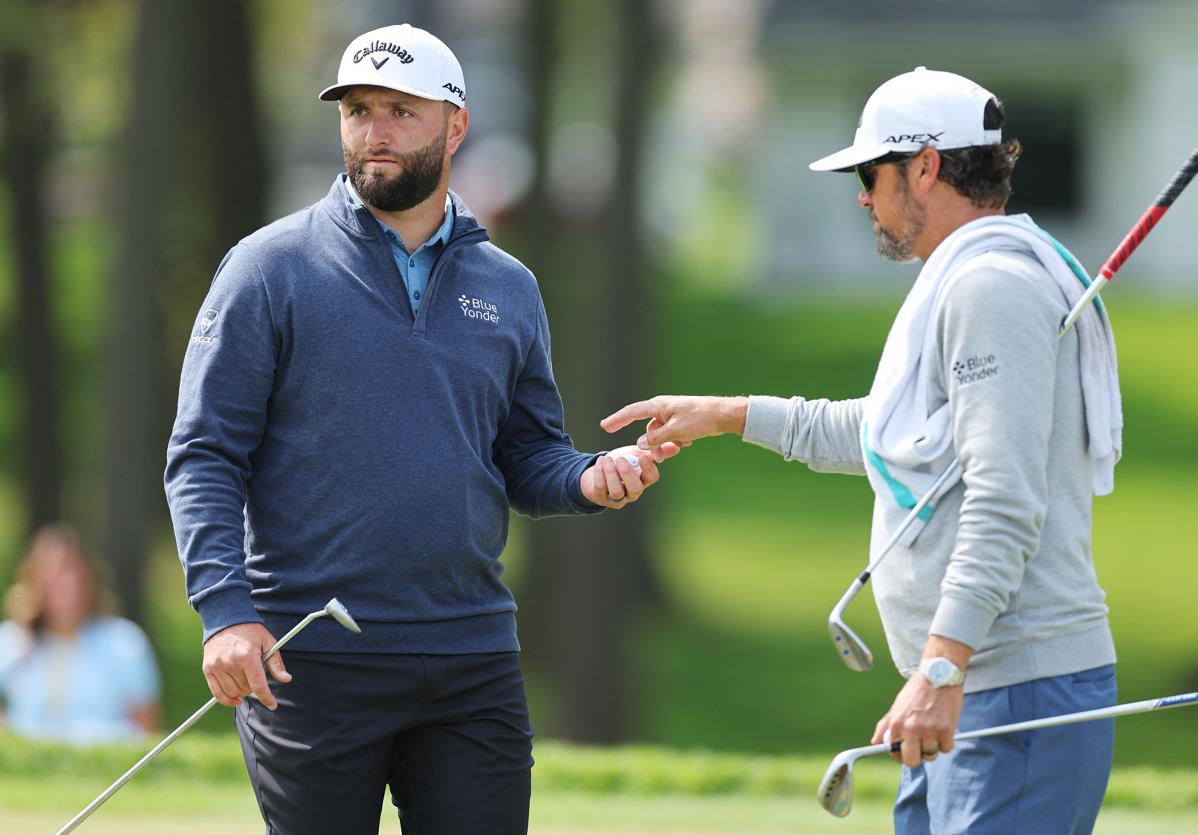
400, 58
921, 108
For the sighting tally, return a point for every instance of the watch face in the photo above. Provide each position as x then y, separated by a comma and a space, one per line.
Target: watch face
940, 672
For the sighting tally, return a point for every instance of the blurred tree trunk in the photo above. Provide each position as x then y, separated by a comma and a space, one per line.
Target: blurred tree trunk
26, 137
193, 185
134, 375
588, 579
228, 120
629, 293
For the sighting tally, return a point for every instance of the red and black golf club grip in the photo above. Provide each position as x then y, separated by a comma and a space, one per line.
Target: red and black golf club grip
1155, 212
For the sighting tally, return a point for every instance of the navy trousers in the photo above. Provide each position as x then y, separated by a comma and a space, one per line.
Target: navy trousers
449, 734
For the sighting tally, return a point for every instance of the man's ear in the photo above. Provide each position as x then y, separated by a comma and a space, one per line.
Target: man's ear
458, 124
927, 169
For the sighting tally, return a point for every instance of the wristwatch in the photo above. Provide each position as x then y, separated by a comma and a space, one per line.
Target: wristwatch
941, 672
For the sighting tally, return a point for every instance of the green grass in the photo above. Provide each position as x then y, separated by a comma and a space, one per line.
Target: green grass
199, 785
232, 813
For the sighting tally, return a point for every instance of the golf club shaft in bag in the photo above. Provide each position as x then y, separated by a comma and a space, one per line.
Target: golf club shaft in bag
852, 650
836, 789
333, 607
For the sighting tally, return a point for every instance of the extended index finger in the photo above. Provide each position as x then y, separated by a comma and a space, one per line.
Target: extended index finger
641, 410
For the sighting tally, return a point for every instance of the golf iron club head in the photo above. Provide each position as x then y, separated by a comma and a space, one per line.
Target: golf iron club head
835, 792
340, 614
836, 789
849, 646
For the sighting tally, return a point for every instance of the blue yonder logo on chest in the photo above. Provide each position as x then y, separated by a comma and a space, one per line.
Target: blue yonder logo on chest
473, 308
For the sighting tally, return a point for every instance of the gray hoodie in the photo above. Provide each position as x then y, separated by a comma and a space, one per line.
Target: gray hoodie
1004, 564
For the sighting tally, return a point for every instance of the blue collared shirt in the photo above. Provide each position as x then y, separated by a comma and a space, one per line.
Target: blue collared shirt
415, 267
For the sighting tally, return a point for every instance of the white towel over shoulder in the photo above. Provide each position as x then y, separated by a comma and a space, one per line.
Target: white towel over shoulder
905, 447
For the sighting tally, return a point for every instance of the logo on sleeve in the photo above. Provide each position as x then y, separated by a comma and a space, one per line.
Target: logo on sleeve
207, 322
972, 369
473, 308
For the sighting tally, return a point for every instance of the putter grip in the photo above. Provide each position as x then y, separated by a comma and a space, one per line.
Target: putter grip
1179, 181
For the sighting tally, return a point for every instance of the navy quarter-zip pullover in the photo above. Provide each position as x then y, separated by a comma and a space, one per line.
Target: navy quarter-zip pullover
332, 442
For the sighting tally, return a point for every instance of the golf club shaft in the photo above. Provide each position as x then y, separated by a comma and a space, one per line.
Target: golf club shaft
138, 766
860, 582
950, 473
1085, 716
1112, 712
175, 734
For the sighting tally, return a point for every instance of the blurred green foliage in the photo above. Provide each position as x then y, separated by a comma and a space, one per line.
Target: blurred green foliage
754, 551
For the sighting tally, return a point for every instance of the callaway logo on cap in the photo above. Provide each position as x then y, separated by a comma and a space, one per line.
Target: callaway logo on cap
916, 109
401, 58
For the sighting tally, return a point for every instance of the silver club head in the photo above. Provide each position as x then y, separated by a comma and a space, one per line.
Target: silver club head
342, 615
836, 789
851, 649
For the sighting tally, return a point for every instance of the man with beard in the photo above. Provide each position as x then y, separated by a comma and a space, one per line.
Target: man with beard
367, 391
990, 602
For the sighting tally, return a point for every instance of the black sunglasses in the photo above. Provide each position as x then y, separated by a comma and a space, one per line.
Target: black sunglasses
866, 175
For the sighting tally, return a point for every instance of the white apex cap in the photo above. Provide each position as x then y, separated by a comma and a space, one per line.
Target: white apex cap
921, 108
401, 58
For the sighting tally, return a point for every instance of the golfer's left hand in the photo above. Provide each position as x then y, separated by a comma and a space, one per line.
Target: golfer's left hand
924, 718
614, 481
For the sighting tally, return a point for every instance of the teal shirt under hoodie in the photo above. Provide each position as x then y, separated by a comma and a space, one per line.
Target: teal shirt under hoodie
332, 442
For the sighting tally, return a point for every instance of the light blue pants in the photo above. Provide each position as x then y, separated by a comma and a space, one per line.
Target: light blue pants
1049, 781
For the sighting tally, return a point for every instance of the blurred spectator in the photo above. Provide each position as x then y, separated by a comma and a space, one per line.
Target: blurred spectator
68, 672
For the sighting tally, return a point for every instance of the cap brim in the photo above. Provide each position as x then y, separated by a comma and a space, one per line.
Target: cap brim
849, 158
335, 92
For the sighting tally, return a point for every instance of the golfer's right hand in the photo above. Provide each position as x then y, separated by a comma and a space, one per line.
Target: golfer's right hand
681, 420
233, 664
